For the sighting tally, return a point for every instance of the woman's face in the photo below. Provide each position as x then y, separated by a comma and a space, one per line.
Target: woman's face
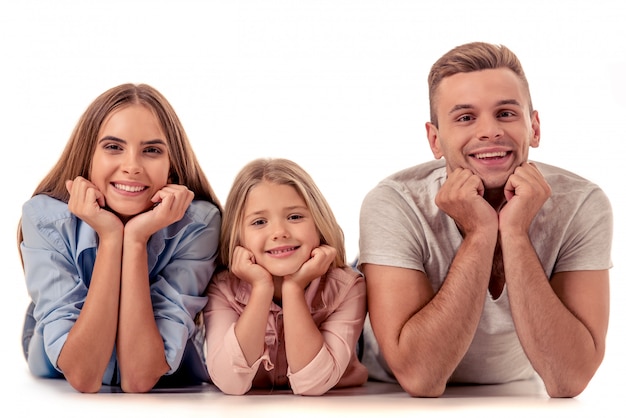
131, 161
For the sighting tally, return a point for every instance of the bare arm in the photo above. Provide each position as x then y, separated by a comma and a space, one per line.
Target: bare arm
562, 323
89, 345
140, 346
424, 336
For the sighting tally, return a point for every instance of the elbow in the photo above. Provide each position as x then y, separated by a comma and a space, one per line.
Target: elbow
567, 388
85, 384
420, 387
138, 382
137, 385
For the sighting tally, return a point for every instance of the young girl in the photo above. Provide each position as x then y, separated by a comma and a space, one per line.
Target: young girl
118, 244
288, 311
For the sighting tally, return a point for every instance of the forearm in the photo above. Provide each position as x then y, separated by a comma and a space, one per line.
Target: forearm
140, 347
561, 348
434, 339
251, 325
303, 340
89, 345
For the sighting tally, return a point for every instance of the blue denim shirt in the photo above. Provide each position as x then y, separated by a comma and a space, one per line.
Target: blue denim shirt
59, 251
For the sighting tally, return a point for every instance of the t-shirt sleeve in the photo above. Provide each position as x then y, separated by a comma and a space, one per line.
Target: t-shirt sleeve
587, 245
391, 232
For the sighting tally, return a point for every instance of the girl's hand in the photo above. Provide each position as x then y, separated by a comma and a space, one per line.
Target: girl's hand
319, 263
171, 202
245, 267
87, 203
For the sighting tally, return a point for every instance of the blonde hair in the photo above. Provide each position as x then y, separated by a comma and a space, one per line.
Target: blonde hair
284, 172
474, 56
77, 156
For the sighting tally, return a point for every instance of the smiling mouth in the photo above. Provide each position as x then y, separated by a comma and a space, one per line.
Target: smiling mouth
282, 250
490, 155
131, 189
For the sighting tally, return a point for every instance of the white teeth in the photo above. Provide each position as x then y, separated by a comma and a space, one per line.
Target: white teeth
126, 188
282, 251
490, 154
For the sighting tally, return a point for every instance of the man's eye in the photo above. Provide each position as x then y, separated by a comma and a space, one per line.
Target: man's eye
465, 118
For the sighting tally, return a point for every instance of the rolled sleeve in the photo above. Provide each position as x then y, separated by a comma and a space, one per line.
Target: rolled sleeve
341, 331
54, 280
178, 291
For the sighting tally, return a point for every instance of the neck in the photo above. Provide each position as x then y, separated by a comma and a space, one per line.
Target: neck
495, 197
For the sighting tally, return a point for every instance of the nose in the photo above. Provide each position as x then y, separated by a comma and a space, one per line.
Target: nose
131, 163
488, 128
280, 231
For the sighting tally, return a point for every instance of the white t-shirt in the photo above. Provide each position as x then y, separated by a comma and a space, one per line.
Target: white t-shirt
401, 226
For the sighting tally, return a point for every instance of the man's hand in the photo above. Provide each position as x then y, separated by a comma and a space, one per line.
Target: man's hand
526, 191
461, 197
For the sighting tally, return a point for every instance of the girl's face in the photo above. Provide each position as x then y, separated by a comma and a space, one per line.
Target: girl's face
278, 228
131, 161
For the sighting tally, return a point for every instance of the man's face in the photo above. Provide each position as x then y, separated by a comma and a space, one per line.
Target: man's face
484, 124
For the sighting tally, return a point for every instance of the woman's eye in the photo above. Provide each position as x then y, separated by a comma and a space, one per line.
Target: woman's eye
153, 150
112, 147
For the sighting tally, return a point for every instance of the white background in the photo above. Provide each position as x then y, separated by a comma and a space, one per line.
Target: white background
338, 86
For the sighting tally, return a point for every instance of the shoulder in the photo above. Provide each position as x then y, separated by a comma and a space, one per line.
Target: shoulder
417, 181
203, 212
45, 208
43, 212
569, 187
339, 281
335, 286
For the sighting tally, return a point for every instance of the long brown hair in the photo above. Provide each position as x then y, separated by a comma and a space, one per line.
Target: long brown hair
78, 153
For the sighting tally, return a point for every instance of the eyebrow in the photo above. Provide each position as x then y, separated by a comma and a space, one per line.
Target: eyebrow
287, 209
469, 106
122, 141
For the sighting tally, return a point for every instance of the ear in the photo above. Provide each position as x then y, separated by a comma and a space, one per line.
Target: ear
536, 129
433, 140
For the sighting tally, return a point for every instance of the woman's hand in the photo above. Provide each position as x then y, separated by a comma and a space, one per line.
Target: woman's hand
171, 203
87, 203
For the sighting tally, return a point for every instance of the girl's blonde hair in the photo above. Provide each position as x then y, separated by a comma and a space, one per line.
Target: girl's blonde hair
284, 172
77, 156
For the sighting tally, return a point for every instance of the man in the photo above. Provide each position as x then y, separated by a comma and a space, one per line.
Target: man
482, 267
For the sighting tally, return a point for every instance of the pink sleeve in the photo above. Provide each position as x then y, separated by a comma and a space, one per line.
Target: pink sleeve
341, 331
226, 363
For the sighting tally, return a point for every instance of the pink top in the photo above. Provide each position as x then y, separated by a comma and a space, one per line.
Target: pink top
338, 305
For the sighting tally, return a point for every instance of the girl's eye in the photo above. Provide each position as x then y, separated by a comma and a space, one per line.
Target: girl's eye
258, 222
295, 217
